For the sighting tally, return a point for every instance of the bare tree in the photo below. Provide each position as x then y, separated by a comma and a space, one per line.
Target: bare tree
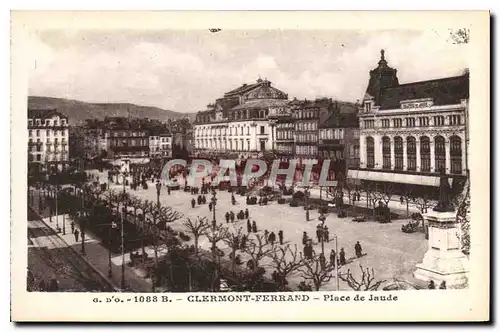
460, 36
316, 271
367, 282
215, 235
286, 260
233, 240
258, 249
197, 228
423, 203
407, 197
464, 221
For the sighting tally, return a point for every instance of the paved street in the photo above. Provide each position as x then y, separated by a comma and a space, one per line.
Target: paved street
51, 257
390, 252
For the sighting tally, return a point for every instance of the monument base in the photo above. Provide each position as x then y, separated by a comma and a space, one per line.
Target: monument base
444, 261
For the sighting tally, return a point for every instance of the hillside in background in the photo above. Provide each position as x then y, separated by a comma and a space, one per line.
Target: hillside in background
78, 111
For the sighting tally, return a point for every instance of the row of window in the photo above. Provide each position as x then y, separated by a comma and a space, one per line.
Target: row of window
306, 126
238, 145
127, 134
129, 142
337, 133
306, 114
309, 137
38, 157
307, 150
282, 134
48, 141
156, 138
39, 148
411, 154
47, 122
48, 132
243, 130
437, 120
284, 148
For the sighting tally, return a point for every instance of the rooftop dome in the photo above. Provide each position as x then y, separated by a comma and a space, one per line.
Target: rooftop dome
265, 91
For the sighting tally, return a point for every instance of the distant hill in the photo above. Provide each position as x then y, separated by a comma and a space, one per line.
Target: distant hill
78, 111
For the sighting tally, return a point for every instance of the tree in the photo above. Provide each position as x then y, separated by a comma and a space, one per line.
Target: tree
422, 202
463, 220
407, 197
233, 240
313, 270
286, 260
197, 228
367, 282
216, 234
258, 249
460, 36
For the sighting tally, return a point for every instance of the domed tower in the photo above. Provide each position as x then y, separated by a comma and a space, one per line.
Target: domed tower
265, 91
381, 78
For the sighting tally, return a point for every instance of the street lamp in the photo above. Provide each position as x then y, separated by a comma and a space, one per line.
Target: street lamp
123, 214
307, 193
214, 203
322, 218
336, 262
158, 189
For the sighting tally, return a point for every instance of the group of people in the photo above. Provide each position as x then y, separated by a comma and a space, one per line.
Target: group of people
230, 216
271, 237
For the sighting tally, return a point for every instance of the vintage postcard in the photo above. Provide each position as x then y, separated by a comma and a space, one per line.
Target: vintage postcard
250, 166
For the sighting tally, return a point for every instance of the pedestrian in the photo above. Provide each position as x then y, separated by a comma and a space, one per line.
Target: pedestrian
280, 236
233, 199
442, 285
266, 236
248, 199
228, 216
305, 238
199, 199
401, 199
431, 285
322, 261
319, 232
210, 206
254, 226
246, 213
342, 257
193, 203
358, 250
72, 227
249, 225
332, 257
243, 243
76, 235
232, 216
168, 190
272, 238
326, 234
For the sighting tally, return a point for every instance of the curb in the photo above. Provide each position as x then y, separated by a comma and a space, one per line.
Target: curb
102, 275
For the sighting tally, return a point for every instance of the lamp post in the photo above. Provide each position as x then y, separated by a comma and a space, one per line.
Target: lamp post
214, 203
336, 263
307, 193
158, 190
123, 214
84, 215
322, 218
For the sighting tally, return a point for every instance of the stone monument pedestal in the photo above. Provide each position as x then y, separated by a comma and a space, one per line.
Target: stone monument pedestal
444, 261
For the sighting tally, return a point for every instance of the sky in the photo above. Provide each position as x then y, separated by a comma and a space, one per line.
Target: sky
185, 70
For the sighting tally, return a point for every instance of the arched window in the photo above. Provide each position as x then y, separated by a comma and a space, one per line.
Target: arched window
425, 154
411, 153
386, 152
439, 154
370, 152
456, 154
398, 153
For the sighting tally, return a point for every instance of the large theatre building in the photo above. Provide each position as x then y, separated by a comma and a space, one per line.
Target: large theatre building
412, 133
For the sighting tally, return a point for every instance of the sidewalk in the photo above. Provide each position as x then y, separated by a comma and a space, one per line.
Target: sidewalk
98, 256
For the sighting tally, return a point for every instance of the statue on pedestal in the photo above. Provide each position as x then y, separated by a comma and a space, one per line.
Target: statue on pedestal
444, 204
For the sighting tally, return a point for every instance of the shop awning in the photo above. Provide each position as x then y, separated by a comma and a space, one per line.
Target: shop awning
423, 180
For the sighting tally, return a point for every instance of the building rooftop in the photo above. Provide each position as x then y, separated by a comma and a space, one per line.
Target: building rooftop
444, 91
44, 113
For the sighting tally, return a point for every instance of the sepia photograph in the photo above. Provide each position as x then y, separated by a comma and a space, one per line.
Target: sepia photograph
227, 165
